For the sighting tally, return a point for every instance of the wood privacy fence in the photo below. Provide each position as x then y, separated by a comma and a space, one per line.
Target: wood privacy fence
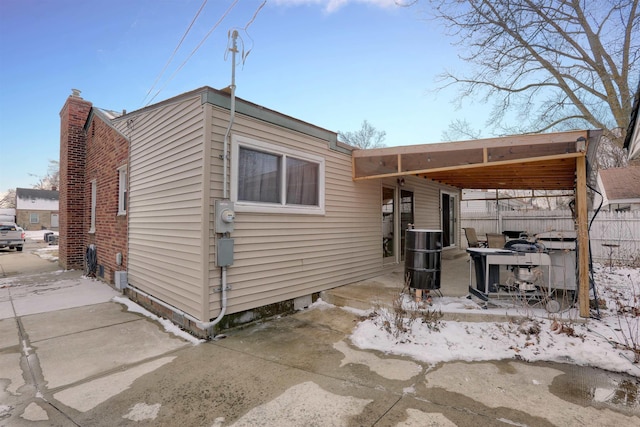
614, 236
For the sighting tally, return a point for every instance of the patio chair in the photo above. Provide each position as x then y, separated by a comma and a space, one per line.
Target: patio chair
495, 240
472, 238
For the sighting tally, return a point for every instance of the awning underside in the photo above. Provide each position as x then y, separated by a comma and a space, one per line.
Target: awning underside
545, 162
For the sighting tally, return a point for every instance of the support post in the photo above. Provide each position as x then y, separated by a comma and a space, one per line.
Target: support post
583, 235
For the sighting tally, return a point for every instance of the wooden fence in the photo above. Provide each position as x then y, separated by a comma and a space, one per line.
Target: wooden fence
613, 236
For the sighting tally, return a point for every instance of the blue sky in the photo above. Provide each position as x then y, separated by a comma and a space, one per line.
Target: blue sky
333, 63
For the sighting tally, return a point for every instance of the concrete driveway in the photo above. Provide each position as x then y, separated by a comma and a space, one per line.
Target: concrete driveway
70, 356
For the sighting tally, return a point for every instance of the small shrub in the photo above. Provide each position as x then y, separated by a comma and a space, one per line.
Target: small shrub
432, 319
628, 312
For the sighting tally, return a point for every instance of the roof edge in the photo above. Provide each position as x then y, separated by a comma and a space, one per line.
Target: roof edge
222, 99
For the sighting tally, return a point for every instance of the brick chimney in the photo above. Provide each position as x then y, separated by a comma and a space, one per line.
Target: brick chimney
73, 117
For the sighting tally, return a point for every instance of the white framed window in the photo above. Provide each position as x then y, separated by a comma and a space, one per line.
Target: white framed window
34, 218
94, 193
122, 190
273, 179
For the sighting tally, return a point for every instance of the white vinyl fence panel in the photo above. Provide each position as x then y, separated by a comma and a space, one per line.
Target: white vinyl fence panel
614, 236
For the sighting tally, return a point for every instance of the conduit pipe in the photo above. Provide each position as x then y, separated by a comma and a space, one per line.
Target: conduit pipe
205, 326
225, 160
232, 112
225, 168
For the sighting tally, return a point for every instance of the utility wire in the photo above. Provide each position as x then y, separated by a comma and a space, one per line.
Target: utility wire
195, 50
175, 50
255, 14
246, 27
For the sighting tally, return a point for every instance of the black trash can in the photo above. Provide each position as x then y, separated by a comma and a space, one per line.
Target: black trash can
423, 252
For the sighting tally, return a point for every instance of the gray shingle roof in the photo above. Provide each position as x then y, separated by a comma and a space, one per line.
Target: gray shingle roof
621, 183
32, 193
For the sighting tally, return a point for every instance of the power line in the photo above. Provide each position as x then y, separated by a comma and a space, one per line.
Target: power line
175, 50
246, 27
195, 50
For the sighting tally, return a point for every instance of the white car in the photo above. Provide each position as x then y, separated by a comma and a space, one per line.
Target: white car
11, 236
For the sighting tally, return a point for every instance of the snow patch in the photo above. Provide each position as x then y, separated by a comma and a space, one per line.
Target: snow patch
142, 411
416, 418
88, 395
34, 412
537, 336
392, 369
305, 404
169, 326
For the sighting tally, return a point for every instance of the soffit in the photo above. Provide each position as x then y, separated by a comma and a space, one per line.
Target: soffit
543, 161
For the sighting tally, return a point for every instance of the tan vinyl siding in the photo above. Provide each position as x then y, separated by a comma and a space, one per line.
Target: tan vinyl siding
284, 256
165, 193
277, 256
427, 203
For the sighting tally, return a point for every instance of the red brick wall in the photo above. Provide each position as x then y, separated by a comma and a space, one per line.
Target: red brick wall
72, 182
85, 156
107, 150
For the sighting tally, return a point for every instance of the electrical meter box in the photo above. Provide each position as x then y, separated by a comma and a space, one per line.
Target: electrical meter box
224, 252
225, 216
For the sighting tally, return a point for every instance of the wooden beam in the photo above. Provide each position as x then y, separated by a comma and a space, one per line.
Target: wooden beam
520, 197
503, 141
583, 236
475, 165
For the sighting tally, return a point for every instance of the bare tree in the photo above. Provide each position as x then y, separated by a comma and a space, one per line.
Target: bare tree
51, 180
557, 64
367, 137
460, 130
610, 155
8, 199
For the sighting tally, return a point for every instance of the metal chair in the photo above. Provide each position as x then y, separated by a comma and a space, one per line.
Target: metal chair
472, 238
495, 240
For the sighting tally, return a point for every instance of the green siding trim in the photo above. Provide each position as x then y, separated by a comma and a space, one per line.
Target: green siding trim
223, 100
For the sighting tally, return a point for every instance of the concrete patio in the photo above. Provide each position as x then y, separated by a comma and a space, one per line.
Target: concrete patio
383, 290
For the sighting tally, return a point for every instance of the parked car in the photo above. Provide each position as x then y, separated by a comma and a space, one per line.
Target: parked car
11, 236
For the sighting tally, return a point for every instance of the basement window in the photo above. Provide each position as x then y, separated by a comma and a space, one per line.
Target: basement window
274, 179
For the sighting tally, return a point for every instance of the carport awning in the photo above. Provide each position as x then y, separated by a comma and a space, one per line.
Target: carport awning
541, 161
553, 161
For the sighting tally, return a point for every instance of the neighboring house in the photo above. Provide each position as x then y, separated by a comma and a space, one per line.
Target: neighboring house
259, 231
620, 188
37, 209
485, 201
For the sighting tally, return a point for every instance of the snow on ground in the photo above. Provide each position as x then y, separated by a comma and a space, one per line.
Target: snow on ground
50, 252
533, 334
38, 235
167, 324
